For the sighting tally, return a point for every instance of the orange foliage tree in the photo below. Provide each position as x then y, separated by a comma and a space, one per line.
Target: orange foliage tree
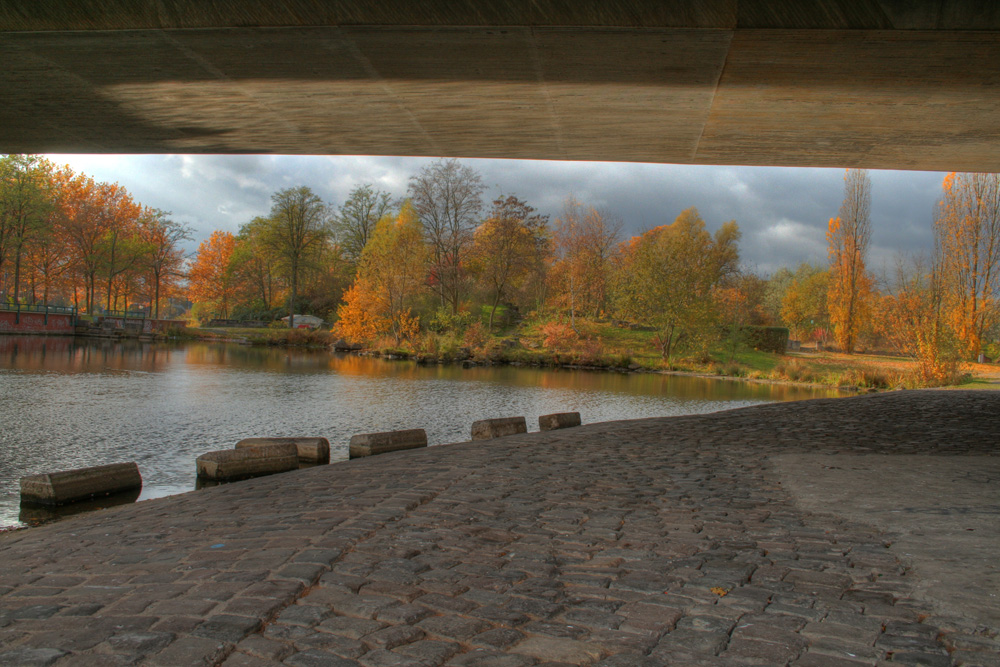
967, 232
212, 280
507, 247
390, 275
586, 240
848, 237
911, 317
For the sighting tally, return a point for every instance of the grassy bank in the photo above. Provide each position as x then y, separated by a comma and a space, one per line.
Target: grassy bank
601, 345
270, 337
595, 344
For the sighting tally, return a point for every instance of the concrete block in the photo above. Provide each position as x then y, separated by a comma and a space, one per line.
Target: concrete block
558, 420
486, 429
68, 486
232, 464
311, 450
369, 444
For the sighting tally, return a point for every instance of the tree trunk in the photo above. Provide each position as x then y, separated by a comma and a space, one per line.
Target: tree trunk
291, 303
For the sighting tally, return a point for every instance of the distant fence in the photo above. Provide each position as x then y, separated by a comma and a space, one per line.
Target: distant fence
248, 324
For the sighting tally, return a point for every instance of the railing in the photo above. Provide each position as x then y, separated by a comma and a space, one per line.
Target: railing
37, 308
125, 314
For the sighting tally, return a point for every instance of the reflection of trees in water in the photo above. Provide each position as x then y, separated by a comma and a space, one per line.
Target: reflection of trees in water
69, 355
63, 354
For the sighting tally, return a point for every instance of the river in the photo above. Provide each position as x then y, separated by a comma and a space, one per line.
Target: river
68, 403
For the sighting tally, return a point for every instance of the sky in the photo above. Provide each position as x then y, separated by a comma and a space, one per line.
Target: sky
782, 212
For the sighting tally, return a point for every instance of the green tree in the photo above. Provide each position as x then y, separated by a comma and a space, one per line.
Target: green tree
298, 227
666, 277
25, 203
804, 302
164, 256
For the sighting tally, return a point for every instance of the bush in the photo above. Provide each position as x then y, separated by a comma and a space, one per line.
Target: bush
443, 320
793, 370
558, 336
765, 339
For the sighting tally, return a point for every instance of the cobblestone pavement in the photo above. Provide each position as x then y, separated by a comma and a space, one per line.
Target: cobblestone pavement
653, 542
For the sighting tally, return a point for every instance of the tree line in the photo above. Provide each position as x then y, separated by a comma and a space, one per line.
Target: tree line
66, 239
440, 260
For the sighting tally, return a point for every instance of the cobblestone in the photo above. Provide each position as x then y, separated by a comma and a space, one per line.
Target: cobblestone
652, 542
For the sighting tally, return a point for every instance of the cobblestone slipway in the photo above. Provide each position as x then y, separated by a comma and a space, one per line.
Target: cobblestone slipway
653, 542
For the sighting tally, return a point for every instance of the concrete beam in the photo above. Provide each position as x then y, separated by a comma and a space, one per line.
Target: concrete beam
862, 83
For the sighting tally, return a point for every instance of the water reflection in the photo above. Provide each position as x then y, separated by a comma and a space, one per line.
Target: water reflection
69, 403
33, 514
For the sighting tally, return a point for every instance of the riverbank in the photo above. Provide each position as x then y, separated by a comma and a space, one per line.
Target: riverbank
696, 540
622, 350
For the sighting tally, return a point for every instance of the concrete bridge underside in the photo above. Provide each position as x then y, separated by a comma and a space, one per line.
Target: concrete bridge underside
867, 83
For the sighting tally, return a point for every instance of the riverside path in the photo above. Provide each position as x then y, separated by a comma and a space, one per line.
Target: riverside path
855, 531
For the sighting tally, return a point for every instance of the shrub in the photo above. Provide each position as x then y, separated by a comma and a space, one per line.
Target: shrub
793, 370
765, 339
558, 336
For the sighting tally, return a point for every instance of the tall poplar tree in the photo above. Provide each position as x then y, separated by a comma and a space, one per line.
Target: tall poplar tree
848, 237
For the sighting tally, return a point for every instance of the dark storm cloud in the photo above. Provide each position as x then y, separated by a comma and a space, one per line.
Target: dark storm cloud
782, 212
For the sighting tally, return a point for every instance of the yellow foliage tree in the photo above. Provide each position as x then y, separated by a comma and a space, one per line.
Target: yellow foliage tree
667, 277
967, 232
390, 275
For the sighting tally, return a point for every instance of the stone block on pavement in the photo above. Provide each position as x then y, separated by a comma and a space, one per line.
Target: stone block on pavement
370, 444
487, 429
232, 464
559, 420
311, 450
68, 486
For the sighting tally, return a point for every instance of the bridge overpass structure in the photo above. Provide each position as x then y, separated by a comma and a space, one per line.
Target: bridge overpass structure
903, 84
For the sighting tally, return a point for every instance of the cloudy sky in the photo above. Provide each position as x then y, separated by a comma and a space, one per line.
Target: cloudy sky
782, 212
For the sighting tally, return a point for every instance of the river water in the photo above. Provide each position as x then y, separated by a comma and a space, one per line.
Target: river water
68, 403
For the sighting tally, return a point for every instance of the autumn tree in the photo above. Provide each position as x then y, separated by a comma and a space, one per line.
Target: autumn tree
85, 218
120, 247
848, 237
24, 209
804, 304
447, 198
911, 317
586, 239
212, 280
356, 218
390, 276
967, 231
298, 227
506, 248
666, 277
